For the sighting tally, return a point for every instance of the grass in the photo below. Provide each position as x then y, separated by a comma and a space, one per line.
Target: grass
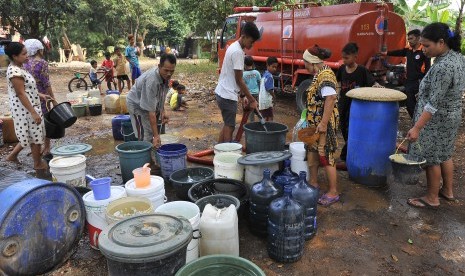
196, 66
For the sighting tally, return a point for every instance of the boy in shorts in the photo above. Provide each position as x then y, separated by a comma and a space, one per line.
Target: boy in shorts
266, 96
120, 67
93, 76
132, 53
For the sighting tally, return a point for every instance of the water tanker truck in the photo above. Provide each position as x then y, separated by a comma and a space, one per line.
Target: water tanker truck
287, 33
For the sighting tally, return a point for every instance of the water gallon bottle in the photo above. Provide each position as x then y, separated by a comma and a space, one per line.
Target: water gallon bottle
261, 195
286, 228
286, 176
220, 232
307, 195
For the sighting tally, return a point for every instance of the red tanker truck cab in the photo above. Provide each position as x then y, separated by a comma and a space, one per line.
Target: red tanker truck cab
286, 34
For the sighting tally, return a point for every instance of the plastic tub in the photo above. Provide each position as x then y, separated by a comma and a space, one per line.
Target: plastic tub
127, 207
221, 265
258, 140
95, 109
101, 188
172, 158
191, 212
219, 201
155, 192
407, 168
133, 155
227, 147
69, 169
226, 166
95, 212
183, 179
79, 110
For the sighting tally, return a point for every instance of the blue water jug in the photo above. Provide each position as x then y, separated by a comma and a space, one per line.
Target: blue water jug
307, 195
261, 195
286, 228
286, 176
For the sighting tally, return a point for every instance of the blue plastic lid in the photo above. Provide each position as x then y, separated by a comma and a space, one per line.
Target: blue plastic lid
73, 149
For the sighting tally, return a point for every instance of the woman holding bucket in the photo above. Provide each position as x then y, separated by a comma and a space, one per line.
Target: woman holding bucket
438, 113
24, 105
322, 114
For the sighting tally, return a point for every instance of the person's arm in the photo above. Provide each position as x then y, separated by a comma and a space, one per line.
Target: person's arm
18, 85
397, 53
156, 140
370, 80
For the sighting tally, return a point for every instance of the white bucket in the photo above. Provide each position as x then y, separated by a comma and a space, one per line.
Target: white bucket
298, 166
69, 169
254, 173
227, 147
95, 212
298, 150
155, 191
226, 166
191, 212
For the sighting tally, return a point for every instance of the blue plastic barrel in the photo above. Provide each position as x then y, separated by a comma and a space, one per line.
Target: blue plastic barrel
116, 123
133, 155
172, 157
40, 223
372, 138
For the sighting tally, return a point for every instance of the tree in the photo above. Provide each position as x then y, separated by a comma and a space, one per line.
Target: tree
176, 28
33, 18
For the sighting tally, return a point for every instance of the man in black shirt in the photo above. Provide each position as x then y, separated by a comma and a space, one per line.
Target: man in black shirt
417, 66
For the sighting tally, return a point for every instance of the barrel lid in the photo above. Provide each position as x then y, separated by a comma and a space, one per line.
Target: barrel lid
66, 161
73, 149
375, 94
265, 157
145, 238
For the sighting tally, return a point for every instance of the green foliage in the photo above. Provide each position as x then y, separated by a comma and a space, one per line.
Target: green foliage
176, 28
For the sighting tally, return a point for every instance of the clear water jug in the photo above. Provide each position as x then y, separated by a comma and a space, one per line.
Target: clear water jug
261, 195
286, 228
286, 176
307, 195
220, 233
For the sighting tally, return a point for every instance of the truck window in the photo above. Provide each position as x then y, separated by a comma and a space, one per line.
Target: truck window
229, 30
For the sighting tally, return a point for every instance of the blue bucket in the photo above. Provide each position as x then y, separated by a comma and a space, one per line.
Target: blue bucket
112, 92
133, 155
171, 157
101, 188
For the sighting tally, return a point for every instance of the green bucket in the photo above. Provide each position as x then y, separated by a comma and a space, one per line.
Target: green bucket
214, 265
79, 110
133, 155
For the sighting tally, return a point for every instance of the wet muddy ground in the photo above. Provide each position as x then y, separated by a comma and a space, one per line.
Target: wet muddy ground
369, 232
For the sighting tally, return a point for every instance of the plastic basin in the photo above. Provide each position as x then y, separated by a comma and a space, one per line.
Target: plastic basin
184, 179
258, 140
214, 265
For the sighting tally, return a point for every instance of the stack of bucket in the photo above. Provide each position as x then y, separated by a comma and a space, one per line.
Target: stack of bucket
153, 191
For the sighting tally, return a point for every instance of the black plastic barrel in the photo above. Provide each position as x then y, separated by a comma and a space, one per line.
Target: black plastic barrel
258, 140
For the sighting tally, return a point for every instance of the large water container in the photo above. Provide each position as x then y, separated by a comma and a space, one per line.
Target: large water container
372, 138
116, 126
261, 195
286, 228
220, 232
285, 176
112, 104
307, 195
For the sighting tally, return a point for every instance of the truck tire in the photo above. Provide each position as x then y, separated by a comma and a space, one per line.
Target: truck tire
301, 95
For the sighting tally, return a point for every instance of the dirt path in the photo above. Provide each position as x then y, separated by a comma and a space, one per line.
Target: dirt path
370, 232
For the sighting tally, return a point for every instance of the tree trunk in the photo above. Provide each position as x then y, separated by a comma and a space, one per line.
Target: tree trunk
458, 22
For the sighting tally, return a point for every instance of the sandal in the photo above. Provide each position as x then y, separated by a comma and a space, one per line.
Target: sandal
421, 203
441, 194
326, 200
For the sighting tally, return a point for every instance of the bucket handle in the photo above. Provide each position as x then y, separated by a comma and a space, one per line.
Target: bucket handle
199, 236
413, 144
125, 135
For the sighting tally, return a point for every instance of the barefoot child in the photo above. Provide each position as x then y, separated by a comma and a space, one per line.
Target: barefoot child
93, 76
178, 102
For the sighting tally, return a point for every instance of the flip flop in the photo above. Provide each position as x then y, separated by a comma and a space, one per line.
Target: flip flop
424, 204
326, 201
441, 194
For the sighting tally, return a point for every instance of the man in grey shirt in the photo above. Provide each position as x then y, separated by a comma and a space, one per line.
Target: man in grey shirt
146, 100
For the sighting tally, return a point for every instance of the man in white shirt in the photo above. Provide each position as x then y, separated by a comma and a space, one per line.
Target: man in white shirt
231, 83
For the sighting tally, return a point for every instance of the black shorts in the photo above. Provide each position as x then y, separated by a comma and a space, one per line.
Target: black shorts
122, 77
228, 110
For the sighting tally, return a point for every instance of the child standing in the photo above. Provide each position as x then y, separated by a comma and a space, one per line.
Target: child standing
108, 65
132, 53
120, 67
252, 80
93, 76
267, 96
349, 76
178, 102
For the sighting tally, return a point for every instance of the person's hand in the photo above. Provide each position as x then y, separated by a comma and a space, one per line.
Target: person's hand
36, 117
45, 97
413, 134
156, 141
165, 119
377, 85
253, 104
321, 128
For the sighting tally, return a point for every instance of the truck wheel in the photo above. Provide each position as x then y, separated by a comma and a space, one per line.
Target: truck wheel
301, 95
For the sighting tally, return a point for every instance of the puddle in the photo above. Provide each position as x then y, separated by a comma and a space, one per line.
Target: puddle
101, 145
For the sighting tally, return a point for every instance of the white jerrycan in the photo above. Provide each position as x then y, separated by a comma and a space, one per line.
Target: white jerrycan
220, 233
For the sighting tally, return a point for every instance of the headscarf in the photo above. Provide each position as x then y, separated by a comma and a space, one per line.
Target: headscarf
311, 58
33, 46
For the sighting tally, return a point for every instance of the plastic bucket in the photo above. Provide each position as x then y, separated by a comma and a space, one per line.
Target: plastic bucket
298, 166
127, 207
127, 131
226, 166
191, 212
63, 115
155, 192
254, 173
79, 110
69, 169
298, 150
95, 212
172, 157
227, 147
183, 179
219, 201
220, 265
407, 170
133, 155
101, 188
258, 140
52, 130
95, 109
